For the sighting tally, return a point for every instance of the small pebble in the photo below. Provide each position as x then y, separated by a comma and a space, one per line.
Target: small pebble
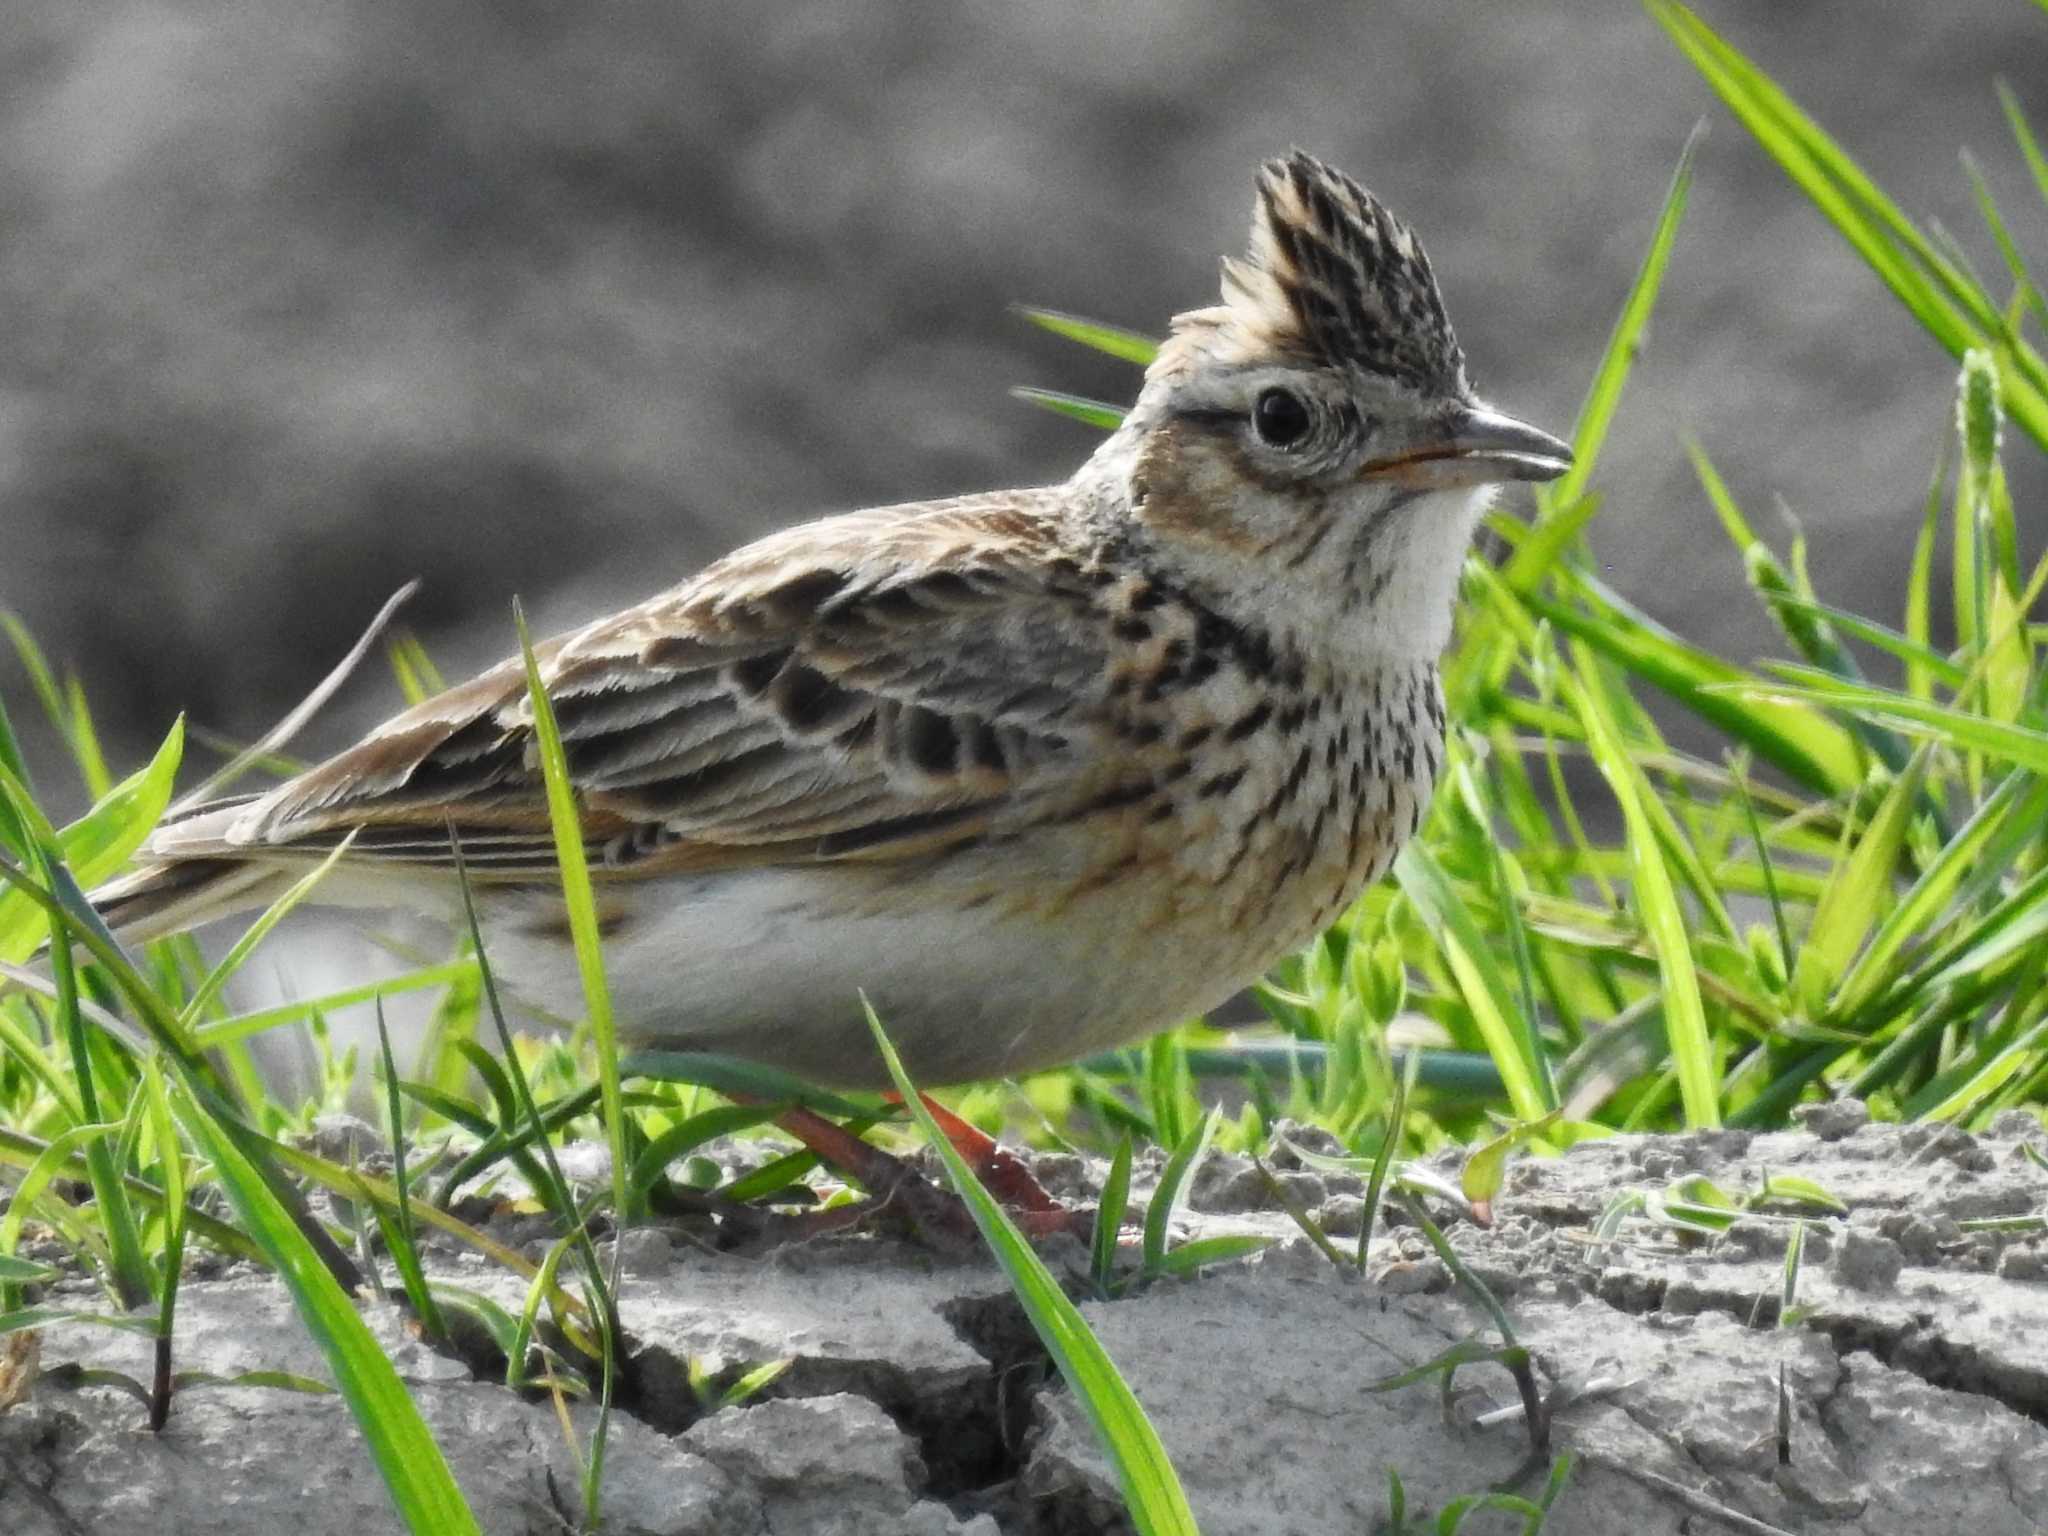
642, 1251
1868, 1262
1413, 1279
1340, 1215
1920, 1238
348, 1139
2023, 1263
929, 1518
1833, 1121
1295, 1258
1290, 1134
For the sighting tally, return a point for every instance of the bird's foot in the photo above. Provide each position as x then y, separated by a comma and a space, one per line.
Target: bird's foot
893, 1185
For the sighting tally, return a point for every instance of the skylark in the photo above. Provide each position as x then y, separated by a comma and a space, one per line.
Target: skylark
1039, 771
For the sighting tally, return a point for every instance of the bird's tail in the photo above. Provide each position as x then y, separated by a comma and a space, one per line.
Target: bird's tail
171, 896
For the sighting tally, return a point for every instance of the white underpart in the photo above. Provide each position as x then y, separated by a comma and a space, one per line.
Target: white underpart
746, 962
1427, 541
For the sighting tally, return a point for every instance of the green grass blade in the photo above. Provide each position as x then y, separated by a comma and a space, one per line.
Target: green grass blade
1977, 430
98, 843
1172, 1179
688, 1134
1624, 345
1951, 309
581, 900
1509, 1037
400, 1237
1109, 1216
421, 1486
1095, 413
1151, 1489
51, 1159
244, 1025
2020, 801
2001, 236
1224, 1248
171, 1159
128, 1274
1685, 1018
1395, 1122
1112, 339
1919, 626
736, 1078
1170, 1088
1857, 891
1985, 1080
2023, 135
209, 988
1883, 637
2021, 746
1786, 601
1808, 746
1766, 870
64, 704
1539, 547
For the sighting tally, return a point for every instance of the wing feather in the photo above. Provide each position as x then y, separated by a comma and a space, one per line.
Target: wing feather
869, 686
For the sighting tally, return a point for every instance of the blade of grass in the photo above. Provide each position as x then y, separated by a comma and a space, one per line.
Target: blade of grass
1482, 983
279, 735
1111, 339
98, 843
1094, 413
129, 1276
2008, 249
1172, 1178
1396, 1120
416, 1474
1951, 310
1109, 1216
64, 704
399, 1234
1961, 730
1610, 375
217, 978
1151, 1490
567, 822
171, 1158
2020, 801
1685, 1019
692, 1132
735, 1078
1807, 746
1857, 891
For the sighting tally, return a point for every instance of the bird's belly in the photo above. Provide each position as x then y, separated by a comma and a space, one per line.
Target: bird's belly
1008, 957
772, 965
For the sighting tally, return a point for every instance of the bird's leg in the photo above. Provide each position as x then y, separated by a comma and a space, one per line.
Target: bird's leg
1004, 1175
889, 1180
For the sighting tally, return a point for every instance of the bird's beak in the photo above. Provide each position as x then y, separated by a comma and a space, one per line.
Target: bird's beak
1472, 445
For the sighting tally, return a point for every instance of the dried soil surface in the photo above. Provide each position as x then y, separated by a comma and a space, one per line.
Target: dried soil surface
1914, 1376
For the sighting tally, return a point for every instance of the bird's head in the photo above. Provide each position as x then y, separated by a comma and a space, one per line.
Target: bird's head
1312, 442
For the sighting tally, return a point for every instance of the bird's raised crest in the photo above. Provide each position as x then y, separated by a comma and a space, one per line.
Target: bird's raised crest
1331, 277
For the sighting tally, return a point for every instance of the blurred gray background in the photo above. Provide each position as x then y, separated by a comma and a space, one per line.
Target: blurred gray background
303, 301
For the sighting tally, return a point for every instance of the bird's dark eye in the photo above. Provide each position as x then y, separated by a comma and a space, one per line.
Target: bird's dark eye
1279, 417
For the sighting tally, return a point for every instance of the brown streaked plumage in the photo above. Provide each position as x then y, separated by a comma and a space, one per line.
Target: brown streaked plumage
1039, 770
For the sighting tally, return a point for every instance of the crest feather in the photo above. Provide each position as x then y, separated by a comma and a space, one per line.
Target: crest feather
1331, 277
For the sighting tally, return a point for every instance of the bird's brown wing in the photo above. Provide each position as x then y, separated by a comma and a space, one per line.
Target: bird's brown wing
862, 687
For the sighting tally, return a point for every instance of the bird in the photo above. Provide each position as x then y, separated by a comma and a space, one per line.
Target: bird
1035, 772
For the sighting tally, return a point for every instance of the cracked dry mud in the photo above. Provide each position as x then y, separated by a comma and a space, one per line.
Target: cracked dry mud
1916, 1375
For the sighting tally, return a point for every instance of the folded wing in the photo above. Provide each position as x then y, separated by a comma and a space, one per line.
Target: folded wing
867, 687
